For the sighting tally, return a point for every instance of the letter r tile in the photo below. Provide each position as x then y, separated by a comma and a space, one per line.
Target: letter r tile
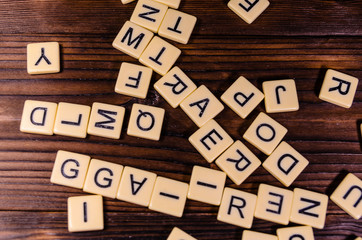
338, 88
70, 169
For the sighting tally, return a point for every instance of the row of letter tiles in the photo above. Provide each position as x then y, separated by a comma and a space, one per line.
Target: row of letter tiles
348, 196
206, 185
85, 213
248, 10
43, 58
201, 106
265, 133
178, 234
211, 140
105, 120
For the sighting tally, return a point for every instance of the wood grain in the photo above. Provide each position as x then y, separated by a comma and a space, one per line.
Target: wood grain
292, 39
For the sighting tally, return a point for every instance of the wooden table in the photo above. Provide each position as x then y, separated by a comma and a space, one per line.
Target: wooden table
291, 39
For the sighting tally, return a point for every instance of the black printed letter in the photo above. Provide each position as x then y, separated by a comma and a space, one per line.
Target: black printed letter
145, 114
136, 40
340, 85
263, 138
250, 5
202, 105
108, 180
174, 86
208, 136
246, 98
75, 171
279, 204
238, 207
313, 205
106, 113
289, 169
241, 159
44, 116
350, 190
140, 184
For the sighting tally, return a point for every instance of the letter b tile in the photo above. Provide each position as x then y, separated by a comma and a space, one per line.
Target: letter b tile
295, 233
103, 178
348, 196
146, 122
70, 169
285, 164
338, 88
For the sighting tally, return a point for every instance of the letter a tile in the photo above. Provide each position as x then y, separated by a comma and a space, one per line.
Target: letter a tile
43, 58
348, 196
70, 169
285, 164
210, 140
85, 213
338, 88
38, 117
248, 10
178, 234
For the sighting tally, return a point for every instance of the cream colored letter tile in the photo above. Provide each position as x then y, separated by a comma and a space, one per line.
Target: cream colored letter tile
72, 120
136, 186
85, 213
169, 196
70, 169
43, 58
206, 185
160, 55
106, 120
338, 88
178, 234
175, 86
274, 204
171, 3
348, 196
237, 208
242, 97
358, 238
127, 1
177, 26
103, 178
211, 140
295, 233
149, 14
248, 10
38, 117
133, 80
265, 133
285, 164
201, 106
309, 208
280, 96
132, 39
251, 235
146, 122
238, 162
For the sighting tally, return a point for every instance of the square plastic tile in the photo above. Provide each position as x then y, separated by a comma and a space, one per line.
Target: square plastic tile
178, 234
248, 10
43, 58
295, 233
252, 235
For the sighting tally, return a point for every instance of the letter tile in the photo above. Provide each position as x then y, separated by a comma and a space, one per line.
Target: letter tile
358, 238
285, 164
248, 10
146, 122
309, 208
160, 55
338, 88
72, 120
280, 96
348, 196
132, 39
274, 204
169, 196
242, 97
201, 106
175, 86
85, 213
43, 58
265, 133
238, 162
295, 233
38, 117
177, 26
206, 185
103, 178
237, 208
70, 169
171, 3
210, 140
149, 14
251, 235
136, 186
127, 1
178, 234
106, 120
133, 80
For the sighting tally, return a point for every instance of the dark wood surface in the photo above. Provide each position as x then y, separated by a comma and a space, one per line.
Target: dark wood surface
291, 39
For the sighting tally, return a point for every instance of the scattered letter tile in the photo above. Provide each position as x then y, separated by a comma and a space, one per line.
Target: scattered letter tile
295, 233
178, 234
210, 140
38, 117
43, 58
248, 10
171, 3
265, 133
251, 235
